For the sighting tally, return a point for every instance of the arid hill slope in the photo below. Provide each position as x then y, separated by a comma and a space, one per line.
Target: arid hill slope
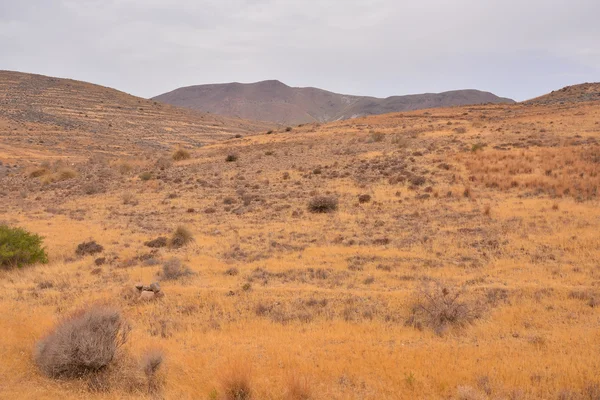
277, 102
42, 112
570, 94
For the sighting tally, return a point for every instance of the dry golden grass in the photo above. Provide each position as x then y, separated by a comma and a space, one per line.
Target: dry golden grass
300, 305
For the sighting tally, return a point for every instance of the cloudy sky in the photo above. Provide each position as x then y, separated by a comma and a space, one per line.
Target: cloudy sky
514, 48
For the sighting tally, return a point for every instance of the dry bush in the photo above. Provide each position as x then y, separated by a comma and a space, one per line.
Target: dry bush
129, 198
180, 237
150, 363
157, 243
441, 308
323, 204
174, 269
231, 157
86, 342
64, 174
88, 248
236, 383
38, 172
181, 154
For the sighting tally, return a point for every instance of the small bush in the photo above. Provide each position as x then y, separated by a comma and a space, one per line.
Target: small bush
129, 198
86, 342
231, 157
181, 237
88, 248
181, 154
38, 172
19, 247
64, 174
236, 384
323, 204
477, 146
157, 243
288, 129
441, 308
146, 176
174, 269
364, 198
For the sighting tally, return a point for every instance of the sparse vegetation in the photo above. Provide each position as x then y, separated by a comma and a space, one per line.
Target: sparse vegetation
19, 247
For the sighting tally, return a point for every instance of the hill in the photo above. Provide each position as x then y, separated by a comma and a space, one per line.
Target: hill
570, 94
41, 112
454, 255
277, 102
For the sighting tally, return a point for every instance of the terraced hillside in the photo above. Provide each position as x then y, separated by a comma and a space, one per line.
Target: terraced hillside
72, 118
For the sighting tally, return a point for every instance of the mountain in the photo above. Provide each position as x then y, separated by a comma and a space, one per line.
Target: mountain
277, 102
38, 110
570, 94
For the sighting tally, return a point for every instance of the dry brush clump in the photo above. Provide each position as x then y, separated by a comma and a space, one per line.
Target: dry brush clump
236, 383
442, 308
181, 237
174, 269
181, 154
323, 204
85, 342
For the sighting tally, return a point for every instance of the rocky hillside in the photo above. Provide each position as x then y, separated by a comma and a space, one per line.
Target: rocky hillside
276, 102
570, 94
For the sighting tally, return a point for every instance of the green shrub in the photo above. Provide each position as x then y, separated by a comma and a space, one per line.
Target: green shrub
19, 247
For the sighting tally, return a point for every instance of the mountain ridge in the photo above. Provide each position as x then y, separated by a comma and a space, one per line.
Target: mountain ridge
275, 101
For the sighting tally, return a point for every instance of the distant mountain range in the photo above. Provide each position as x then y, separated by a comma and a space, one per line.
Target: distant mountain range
276, 102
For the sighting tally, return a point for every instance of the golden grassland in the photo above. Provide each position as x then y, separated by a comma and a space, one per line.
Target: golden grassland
497, 201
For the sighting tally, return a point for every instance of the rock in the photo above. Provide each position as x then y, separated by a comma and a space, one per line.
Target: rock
155, 287
146, 295
139, 286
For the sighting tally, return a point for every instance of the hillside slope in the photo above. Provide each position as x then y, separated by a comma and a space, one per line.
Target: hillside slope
569, 94
45, 111
277, 102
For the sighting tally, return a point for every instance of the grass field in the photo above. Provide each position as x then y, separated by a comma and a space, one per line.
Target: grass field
494, 207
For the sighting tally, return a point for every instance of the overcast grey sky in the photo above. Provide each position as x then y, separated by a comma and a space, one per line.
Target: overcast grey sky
517, 49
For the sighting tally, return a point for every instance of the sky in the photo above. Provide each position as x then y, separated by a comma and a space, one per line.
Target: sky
518, 49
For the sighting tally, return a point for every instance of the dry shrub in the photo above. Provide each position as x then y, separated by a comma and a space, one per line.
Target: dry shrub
129, 198
150, 363
181, 154
38, 172
174, 269
323, 204
84, 343
157, 243
64, 174
441, 308
236, 383
180, 237
231, 157
88, 248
